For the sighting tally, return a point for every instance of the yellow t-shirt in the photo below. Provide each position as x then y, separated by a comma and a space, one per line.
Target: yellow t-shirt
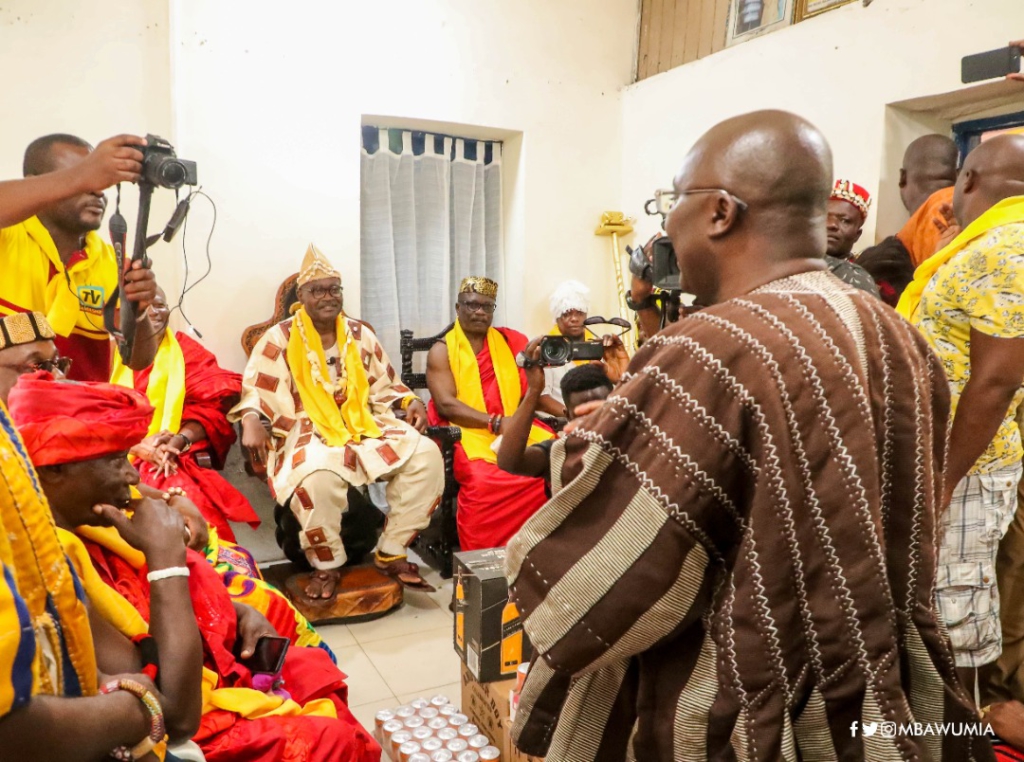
981, 287
34, 278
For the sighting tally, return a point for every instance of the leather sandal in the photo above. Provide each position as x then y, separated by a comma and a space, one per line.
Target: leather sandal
405, 572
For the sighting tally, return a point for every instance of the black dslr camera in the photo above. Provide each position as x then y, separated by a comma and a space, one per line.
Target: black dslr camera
662, 269
162, 168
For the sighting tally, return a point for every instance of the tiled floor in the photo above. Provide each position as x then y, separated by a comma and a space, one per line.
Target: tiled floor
394, 660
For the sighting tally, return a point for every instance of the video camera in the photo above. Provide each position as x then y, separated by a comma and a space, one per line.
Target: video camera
556, 351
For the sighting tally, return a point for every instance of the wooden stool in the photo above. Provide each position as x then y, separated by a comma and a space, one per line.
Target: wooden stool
363, 593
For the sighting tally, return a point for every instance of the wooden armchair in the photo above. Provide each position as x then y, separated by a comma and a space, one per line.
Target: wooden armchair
362, 521
440, 540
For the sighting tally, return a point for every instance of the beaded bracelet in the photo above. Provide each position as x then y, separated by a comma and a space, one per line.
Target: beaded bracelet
174, 492
406, 401
157, 728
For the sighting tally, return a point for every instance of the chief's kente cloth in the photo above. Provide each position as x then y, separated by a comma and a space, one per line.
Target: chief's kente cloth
298, 447
185, 383
493, 504
71, 296
46, 644
739, 562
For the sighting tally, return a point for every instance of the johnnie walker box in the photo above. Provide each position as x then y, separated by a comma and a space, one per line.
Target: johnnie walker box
489, 634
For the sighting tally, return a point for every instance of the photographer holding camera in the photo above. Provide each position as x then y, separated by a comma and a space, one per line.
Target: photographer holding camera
53, 259
579, 384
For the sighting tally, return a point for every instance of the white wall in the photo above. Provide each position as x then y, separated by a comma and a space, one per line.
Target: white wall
269, 100
839, 70
92, 69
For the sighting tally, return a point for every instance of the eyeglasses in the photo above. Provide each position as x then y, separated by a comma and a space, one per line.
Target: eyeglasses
62, 364
664, 200
319, 292
487, 307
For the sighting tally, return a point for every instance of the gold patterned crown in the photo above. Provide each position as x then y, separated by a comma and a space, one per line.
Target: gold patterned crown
482, 286
24, 328
315, 267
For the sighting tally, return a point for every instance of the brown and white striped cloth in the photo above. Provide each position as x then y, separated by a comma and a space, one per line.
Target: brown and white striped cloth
739, 561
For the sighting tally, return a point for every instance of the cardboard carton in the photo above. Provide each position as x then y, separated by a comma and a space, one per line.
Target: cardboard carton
489, 633
487, 706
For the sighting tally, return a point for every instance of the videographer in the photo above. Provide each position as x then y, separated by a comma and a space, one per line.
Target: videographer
579, 385
55, 262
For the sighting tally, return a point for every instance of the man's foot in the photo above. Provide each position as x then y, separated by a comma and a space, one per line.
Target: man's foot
322, 584
1007, 720
402, 570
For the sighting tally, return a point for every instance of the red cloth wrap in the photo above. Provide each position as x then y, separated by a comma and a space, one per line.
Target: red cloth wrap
493, 504
70, 421
210, 392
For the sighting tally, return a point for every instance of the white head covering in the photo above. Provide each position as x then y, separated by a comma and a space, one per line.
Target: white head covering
570, 295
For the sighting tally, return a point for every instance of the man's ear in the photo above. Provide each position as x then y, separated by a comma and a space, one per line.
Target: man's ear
860, 232
903, 178
724, 214
970, 181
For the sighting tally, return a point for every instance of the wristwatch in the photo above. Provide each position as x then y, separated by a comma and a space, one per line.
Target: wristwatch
188, 442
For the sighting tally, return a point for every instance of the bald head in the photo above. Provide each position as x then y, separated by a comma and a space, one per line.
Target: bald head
771, 176
929, 165
992, 172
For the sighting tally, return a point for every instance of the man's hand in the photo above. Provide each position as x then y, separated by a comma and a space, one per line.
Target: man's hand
535, 373
154, 528
198, 530
140, 286
1017, 76
252, 626
416, 416
255, 439
616, 359
947, 226
115, 160
582, 410
149, 448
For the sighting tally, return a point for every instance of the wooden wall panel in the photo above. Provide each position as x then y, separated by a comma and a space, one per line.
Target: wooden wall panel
674, 32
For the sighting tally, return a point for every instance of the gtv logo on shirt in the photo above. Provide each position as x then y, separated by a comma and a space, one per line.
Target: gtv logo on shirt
92, 298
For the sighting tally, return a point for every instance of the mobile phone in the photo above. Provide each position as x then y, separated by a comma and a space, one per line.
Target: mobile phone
990, 65
268, 657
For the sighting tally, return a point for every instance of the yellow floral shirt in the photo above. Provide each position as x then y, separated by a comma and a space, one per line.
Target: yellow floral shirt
981, 287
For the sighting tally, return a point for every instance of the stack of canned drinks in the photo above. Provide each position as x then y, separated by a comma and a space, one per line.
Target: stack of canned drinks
432, 731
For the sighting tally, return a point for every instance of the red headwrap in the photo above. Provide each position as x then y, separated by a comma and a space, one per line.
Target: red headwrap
69, 421
852, 193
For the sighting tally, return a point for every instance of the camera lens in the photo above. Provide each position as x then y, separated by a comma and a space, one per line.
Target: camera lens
172, 174
554, 350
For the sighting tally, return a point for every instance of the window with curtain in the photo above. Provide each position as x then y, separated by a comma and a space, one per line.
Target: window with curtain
430, 216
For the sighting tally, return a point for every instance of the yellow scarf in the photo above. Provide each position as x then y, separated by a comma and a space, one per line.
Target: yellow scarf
1006, 212
63, 308
470, 391
308, 364
113, 607
166, 388
31, 552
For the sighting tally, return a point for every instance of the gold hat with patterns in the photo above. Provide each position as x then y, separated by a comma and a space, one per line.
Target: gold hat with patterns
477, 285
316, 267
24, 328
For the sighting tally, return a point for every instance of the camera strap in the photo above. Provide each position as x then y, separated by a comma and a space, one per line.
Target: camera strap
118, 227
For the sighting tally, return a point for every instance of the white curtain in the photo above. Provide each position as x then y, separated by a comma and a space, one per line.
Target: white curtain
430, 216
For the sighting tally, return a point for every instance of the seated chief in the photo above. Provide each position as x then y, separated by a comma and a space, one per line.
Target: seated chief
475, 384
326, 390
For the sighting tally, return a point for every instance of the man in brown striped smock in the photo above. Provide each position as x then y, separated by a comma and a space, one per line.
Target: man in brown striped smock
739, 562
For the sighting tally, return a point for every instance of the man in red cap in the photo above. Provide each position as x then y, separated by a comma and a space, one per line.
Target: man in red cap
847, 212
80, 449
